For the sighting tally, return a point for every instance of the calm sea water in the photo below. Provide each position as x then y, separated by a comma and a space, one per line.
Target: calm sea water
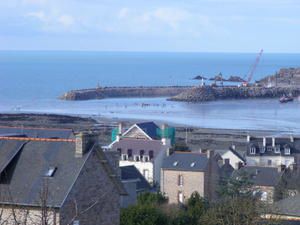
32, 81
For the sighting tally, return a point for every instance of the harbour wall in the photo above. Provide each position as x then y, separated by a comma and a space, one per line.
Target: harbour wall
208, 93
124, 92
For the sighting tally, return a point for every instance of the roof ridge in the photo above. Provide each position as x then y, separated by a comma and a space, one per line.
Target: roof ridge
36, 128
38, 139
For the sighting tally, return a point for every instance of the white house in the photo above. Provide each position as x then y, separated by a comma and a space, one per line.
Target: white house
272, 151
143, 145
235, 159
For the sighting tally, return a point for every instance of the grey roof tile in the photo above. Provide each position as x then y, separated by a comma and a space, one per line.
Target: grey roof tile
186, 161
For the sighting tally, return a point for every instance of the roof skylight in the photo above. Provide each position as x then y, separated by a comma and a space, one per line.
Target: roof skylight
50, 172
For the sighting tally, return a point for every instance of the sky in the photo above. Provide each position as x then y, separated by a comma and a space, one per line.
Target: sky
151, 25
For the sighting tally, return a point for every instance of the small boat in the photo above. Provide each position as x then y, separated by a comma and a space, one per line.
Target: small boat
285, 99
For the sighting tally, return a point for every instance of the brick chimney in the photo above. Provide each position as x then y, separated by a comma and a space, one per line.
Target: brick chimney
83, 142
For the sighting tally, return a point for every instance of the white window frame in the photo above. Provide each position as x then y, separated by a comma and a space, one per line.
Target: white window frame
252, 150
287, 151
137, 156
146, 158
277, 149
124, 157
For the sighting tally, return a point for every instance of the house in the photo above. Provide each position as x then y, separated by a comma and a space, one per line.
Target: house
263, 179
58, 176
183, 173
236, 160
143, 145
134, 183
272, 151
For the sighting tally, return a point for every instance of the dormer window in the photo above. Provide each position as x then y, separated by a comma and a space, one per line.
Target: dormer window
277, 149
252, 150
124, 157
262, 150
50, 172
137, 158
269, 148
287, 151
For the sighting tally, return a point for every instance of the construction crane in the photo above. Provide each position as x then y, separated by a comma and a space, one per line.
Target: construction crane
253, 68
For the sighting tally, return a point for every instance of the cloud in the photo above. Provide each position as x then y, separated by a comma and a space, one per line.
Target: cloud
66, 20
40, 15
53, 22
123, 13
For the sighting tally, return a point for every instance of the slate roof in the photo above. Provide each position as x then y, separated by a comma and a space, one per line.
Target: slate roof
36, 132
24, 164
289, 206
261, 176
131, 172
149, 128
186, 161
23, 180
281, 142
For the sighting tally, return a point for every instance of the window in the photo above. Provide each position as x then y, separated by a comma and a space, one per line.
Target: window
180, 197
50, 172
269, 162
137, 158
146, 158
252, 150
142, 154
180, 180
193, 164
287, 151
175, 163
129, 153
76, 222
269, 148
124, 157
151, 154
277, 149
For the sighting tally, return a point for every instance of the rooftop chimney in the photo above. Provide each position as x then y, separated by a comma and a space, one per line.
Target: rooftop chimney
264, 141
273, 142
120, 128
80, 145
210, 153
226, 161
291, 138
248, 138
83, 142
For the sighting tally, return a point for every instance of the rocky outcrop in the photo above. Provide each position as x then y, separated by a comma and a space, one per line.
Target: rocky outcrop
283, 78
124, 92
208, 93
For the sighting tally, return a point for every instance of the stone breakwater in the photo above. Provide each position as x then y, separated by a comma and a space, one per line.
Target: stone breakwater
124, 92
207, 93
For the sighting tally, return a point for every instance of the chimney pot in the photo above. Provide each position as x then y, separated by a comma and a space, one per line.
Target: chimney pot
273, 142
264, 141
210, 154
248, 138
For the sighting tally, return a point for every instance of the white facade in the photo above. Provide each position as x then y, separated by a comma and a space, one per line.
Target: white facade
270, 161
234, 160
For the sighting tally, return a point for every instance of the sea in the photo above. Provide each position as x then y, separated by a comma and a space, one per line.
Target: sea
32, 81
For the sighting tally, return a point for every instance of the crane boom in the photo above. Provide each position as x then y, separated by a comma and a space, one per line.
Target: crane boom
253, 68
